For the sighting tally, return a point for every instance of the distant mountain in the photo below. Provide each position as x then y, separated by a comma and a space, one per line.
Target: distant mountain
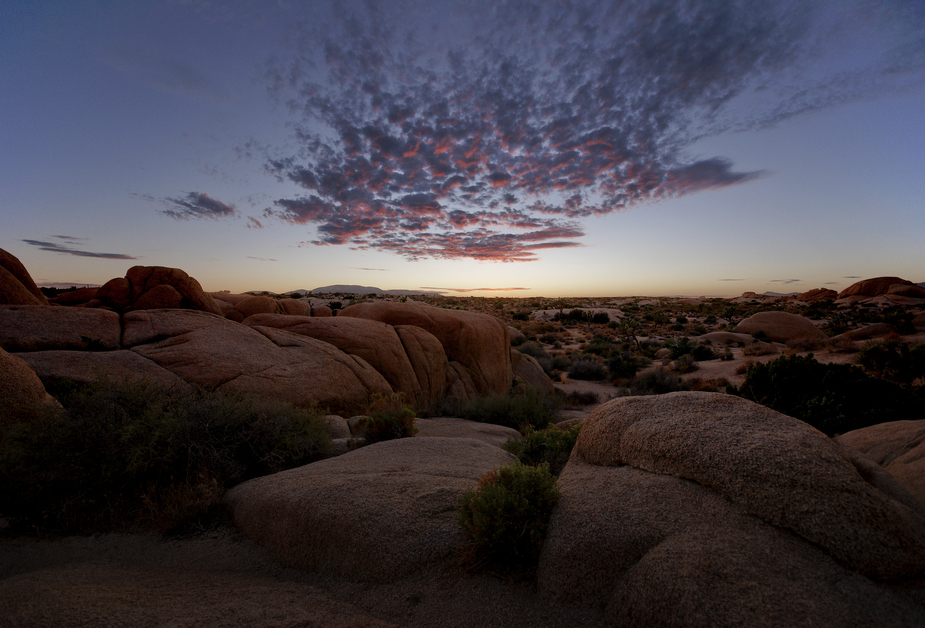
350, 289
780, 294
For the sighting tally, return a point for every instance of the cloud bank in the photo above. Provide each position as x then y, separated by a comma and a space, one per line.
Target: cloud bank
492, 131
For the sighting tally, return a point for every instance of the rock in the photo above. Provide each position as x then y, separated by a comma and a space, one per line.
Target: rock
154, 287
874, 330
16, 285
257, 305
898, 447
428, 360
374, 514
23, 397
477, 342
781, 327
662, 353
818, 294
322, 310
337, 426
38, 328
529, 371
774, 467
702, 509
211, 351
71, 298
918, 321
882, 285
726, 338
377, 343
87, 366
448, 427
295, 307
516, 336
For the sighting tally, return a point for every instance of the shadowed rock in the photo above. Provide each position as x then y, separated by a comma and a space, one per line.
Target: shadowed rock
16, 285
781, 327
898, 447
23, 397
38, 328
376, 514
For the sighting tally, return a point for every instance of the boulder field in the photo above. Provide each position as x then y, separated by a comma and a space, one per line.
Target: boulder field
685, 509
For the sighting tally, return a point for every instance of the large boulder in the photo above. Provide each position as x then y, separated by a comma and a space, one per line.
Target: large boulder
16, 285
40, 328
898, 447
88, 366
703, 509
23, 397
818, 294
451, 427
251, 305
154, 287
530, 372
376, 514
377, 343
478, 344
211, 351
882, 285
781, 327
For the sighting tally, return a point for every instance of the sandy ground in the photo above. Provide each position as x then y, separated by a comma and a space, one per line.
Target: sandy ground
223, 579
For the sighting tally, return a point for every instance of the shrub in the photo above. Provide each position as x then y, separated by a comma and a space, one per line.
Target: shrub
600, 318
507, 515
517, 409
833, 398
657, 382
533, 349
577, 398
893, 360
549, 338
586, 369
552, 445
625, 364
387, 417
521, 316
759, 348
129, 455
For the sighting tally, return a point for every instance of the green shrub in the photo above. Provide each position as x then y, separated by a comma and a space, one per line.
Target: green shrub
833, 398
657, 382
127, 455
387, 417
625, 364
517, 409
893, 360
533, 349
551, 446
507, 515
587, 369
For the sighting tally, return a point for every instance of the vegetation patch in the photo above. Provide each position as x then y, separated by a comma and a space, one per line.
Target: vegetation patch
506, 517
388, 417
520, 409
551, 446
132, 455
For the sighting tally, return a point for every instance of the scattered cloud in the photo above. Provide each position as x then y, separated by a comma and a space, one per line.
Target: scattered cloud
473, 289
263, 259
253, 223
492, 133
54, 247
786, 281
376, 269
197, 205
731, 280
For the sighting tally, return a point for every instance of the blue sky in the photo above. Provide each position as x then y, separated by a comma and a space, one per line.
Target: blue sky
575, 148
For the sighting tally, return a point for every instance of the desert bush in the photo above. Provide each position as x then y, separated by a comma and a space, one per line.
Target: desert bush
600, 346
833, 398
506, 516
528, 407
549, 338
130, 455
560, 363
387, 417
600, 318
587, 369
893, 359
521, 316
803, 345
759, 348
625, 364
551, 445
533, 349
657, 382
686, 363
576, 398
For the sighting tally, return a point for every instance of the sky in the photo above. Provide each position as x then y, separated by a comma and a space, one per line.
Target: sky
476, 148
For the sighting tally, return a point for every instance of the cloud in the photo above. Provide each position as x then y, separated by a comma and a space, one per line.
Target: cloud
197, 205
731, 280
376, 269
163, 74
492, 133
67, 250
263, 259
786, 281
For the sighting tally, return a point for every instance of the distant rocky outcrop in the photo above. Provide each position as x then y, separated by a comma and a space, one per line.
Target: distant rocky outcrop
16, 285
780, 327
376, 514
818, 294
883, 290
696, 509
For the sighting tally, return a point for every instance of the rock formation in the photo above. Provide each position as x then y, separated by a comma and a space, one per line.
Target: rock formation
23, 398
818, 294
153, 287
375, 514
781, 327
898, 447
16, 285
702, 509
